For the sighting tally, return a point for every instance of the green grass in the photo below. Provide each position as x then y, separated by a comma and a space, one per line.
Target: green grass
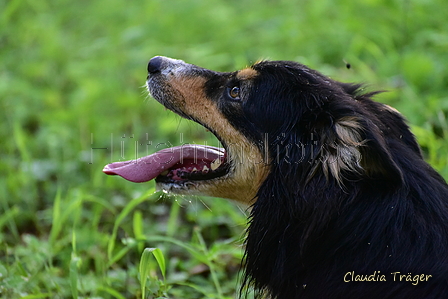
71, 79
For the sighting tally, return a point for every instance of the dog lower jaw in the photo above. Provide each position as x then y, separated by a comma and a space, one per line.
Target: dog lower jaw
183, 188
223, 187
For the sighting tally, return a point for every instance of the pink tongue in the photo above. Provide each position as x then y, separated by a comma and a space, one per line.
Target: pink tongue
149, 167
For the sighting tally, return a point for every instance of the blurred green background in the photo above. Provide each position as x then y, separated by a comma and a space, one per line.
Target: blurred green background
71, 101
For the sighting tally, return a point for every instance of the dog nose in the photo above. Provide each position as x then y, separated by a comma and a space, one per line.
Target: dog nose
155, 64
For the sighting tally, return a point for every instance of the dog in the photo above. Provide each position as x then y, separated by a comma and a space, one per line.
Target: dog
343, 204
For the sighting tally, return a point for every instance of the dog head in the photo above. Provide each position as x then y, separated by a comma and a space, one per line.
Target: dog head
273, 114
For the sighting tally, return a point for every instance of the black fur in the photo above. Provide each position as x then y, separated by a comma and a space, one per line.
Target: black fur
309, 227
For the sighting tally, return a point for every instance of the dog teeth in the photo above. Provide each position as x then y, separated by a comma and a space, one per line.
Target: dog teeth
194, 169
215, 164
205, 169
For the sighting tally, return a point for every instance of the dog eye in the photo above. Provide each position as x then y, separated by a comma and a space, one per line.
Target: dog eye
234, 92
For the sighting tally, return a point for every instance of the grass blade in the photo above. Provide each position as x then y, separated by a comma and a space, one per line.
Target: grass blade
144, 268
74, 263
137, 225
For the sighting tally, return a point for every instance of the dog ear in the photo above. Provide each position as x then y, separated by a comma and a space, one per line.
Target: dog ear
354, 147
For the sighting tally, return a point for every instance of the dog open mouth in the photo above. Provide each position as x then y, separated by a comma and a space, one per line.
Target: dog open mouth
175, 165
212, 99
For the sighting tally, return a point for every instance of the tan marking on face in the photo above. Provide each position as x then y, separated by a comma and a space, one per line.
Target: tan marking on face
249, 167
247, 74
